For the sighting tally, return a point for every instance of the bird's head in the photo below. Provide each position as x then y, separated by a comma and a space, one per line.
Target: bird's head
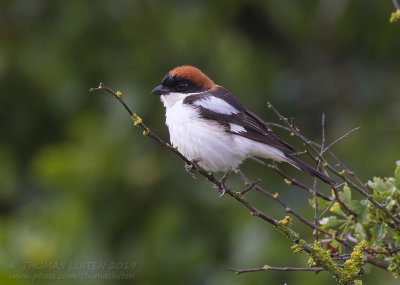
184, 79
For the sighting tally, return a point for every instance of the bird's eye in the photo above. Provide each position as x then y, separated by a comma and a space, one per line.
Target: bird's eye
181, 86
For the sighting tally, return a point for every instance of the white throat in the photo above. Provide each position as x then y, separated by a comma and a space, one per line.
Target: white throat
172, 98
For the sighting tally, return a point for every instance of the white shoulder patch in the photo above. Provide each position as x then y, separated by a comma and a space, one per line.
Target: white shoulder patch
217, 105
237, 129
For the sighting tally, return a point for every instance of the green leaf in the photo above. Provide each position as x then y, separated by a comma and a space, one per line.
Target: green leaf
384, 196
396, 235
337, 210
390, 203
329, 222
361, 208
322, 204
381, 215
378, 184
334, 243
397, 173
346, 195
378, 231
360, 232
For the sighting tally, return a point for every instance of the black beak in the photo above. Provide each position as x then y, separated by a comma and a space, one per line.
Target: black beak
160, 90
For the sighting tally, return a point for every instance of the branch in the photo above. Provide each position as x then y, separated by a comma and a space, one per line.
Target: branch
137, 121
337, 173
315, 180
319, 255
323, 150
288, 179
303, 139
396, 4
348, 171
275, 197
267, 267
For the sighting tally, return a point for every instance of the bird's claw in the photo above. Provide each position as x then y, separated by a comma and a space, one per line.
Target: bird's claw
222, 187
192, 168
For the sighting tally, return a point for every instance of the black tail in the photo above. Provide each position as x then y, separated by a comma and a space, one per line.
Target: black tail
299, 164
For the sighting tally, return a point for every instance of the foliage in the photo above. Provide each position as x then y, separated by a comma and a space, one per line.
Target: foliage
370, 224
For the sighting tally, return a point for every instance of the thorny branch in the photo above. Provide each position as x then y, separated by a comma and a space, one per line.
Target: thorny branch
289, 180
239, 196
315, 180
340, 174
344, 242
323, 150
290, 210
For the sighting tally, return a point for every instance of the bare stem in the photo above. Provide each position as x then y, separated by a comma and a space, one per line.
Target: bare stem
291, 211
396, 4
348, 171
267, 268
315, 180
290, 180
337, 140
337, 173
251, 186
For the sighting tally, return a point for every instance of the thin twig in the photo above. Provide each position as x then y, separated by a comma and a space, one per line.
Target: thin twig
140, 123
389, 252
302, 186
315, 209
275, 197
363, 185
300, 152
251, 186
315, 180
337, 140
267, 267
341, 202
377, 263
323, 133
396, 4
302, 138
348, 256
327, 208
288, 179
333, 170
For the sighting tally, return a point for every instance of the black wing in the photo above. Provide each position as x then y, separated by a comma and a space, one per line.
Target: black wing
254, 128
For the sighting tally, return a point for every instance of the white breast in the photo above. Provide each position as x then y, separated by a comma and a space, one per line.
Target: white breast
200, 139
207, 141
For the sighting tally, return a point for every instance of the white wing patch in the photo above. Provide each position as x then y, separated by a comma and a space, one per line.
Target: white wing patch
217, 105
237, 129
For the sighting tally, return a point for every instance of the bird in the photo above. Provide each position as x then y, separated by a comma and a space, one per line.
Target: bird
213, 129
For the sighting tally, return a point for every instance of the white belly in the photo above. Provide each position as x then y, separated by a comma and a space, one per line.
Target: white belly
206, 141
202, 140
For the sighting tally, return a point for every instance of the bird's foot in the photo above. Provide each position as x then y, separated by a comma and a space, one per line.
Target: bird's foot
222, 186
193, 167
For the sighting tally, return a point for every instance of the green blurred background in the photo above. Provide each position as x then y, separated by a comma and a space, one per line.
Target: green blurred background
79, 184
